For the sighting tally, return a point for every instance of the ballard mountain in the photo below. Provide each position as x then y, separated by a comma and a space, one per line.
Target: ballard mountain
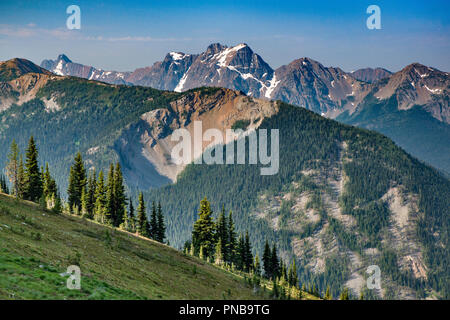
344, 198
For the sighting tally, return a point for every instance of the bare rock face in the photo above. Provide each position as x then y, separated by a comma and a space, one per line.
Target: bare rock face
20, 80
371, 75
147, 145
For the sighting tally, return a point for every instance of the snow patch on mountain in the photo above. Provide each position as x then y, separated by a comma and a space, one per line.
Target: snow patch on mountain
273, 84
180, 84
58, 69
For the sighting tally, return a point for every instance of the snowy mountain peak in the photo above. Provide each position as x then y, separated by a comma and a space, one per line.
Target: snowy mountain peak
177, 55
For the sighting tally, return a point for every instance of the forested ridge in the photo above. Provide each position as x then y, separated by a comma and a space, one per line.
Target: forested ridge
91, 116
308, 141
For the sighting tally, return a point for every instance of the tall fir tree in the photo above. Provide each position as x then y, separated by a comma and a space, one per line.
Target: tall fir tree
267, 261
292, 274
111, 212
283, 272
21, 179
219, 253
248, 256
119, 196
240, 256
131, 217
275, 263
91, 187
257, 266
142, 222
77, 182
203, 234
153, 222
222, 234
161, 226
100, 199
231, 250
33, 180
84, 204
50, 188
57, 208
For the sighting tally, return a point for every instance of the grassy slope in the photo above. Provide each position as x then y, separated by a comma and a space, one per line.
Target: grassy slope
36, 246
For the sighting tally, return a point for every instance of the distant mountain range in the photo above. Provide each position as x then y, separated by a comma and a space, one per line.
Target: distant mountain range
418, 96
303, 82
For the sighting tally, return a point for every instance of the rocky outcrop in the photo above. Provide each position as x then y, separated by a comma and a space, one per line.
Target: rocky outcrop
146, 146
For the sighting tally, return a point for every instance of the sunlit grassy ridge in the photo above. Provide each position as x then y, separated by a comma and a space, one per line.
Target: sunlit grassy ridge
36, 247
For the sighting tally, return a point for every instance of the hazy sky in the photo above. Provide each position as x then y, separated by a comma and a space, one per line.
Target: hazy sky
124, 35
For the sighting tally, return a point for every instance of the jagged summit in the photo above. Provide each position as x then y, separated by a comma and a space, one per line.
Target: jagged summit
64, 58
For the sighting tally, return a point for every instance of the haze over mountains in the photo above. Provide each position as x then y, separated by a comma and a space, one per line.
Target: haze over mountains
344, 198
417, 94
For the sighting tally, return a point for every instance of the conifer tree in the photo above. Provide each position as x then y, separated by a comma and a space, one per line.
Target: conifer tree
132, 218
119, 196
77, 182
292, 274
153, 222
257, 266
100, 199
274, 262
142, 223
12, 168
248, 256
161, 227
186, 246
57, 208
91, 187
219, 253
222, 234
125, 225
49, 183
283, 273
203, 233
240, 256
21, 180
33, 182
275, 290
231, 250
84, 204
267, 261
110, 197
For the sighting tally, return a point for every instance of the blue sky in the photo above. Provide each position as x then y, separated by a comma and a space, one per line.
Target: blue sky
124, 35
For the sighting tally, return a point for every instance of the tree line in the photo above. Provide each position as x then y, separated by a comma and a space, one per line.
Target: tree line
89, 195
29, 181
